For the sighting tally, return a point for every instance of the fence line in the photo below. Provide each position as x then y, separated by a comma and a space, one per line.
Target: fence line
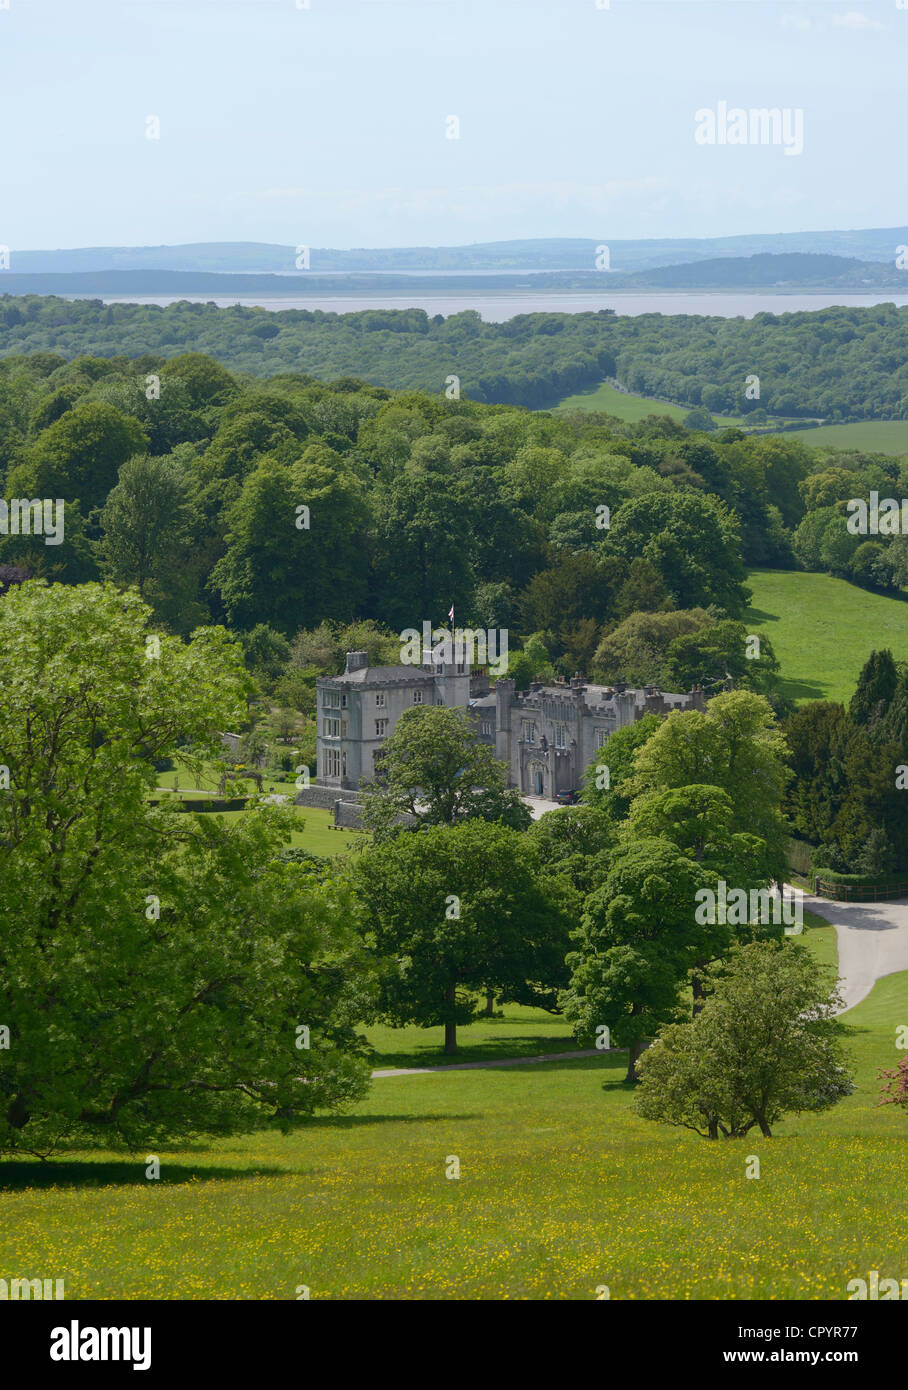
860, 892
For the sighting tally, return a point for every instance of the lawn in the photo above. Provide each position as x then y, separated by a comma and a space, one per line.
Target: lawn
874, 436
187, 783
820, 936
824, 629
562, 1189
316, 832
514, 1031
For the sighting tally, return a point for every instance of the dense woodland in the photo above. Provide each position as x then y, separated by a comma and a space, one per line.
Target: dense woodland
838, 364
189, 481
309, 518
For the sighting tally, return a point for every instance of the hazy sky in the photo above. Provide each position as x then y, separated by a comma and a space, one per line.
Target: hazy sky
326, 126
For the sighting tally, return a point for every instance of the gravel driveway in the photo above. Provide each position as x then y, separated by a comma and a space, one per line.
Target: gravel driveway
872, 940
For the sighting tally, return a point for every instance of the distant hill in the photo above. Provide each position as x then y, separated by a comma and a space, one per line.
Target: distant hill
793, 270
789, 271
534, 254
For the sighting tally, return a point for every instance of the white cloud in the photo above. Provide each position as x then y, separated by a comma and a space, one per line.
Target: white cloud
855, 20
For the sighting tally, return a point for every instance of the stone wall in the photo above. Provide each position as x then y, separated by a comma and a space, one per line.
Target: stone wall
325, 797
348, 815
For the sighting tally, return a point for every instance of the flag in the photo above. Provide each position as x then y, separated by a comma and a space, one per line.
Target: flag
451, 614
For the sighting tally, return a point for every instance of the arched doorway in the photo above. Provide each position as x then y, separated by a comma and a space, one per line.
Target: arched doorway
535, 779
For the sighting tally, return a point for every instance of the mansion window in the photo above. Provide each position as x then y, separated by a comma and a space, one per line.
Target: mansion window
485, 726
529, 731
332, 764
560, 735
380, 699
332, 699
417, 697
331, 728
601, 738
381, 728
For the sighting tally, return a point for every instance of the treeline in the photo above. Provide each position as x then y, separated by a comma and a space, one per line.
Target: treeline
852, 526
838, 364
847, 796
292, 503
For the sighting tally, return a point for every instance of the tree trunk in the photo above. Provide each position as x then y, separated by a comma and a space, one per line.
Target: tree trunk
636, 1048
764, 1127
18, 1115
713, 1129
450, 1023
490, 1003
698, 992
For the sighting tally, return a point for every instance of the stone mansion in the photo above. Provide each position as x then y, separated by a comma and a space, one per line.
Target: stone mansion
546, 735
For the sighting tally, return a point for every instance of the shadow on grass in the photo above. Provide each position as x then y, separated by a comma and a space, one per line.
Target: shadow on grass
17, 1176
757, 615
499, 1049
793, 689
527, 1069
603, 1063
803, 690
356, 1121
524, 1071
22, 1174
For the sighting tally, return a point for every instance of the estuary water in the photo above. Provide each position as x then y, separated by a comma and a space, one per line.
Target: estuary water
497, 306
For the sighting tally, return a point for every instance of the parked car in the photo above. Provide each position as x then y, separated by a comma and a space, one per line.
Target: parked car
567, 798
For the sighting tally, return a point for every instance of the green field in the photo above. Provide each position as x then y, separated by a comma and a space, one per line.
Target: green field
823, 629
874, 436
628, 407
562, 1189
